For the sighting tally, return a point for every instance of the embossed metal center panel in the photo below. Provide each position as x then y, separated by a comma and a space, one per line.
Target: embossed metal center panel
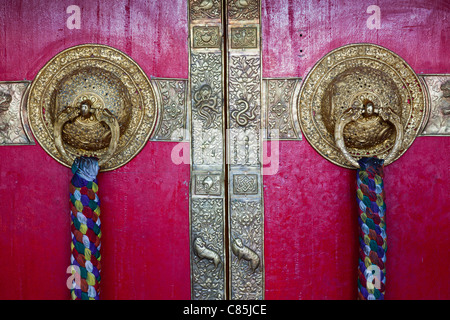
226, 181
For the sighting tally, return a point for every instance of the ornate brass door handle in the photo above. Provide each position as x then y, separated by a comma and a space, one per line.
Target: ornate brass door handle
353, 114
85, 110
383, 91
108, 79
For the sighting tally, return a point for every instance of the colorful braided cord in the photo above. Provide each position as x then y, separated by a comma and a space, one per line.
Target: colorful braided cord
86, 234
372, 229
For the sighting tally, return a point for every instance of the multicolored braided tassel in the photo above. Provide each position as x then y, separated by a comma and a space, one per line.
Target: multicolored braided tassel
372, 229
85, 226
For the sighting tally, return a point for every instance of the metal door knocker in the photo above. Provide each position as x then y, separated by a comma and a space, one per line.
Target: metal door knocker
92, 100
362, 106
91, 108
87, 111
361, 100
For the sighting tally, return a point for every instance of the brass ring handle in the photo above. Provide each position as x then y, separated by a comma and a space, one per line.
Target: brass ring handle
102, 115
352, 114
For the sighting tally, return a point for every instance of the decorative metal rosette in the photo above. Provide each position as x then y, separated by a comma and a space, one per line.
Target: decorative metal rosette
374, 85
112, 85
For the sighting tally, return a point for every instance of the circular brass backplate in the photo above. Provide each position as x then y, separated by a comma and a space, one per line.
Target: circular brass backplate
106, 78
357, 76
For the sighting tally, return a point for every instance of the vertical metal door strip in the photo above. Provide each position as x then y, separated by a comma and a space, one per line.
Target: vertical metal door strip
207, 184
244, 146
226, 220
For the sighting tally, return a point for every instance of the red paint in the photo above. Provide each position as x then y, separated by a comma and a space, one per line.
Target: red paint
310, 227
416, 30
145, 227
310, 213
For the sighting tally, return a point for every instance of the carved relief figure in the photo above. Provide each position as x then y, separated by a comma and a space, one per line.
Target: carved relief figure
203, 252
206, 37
206, 105
204, 5
244, 252
244, 90
241, 116
204, 9
243, 9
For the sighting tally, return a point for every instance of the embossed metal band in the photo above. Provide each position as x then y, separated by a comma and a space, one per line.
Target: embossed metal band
279, 108
244, 145
207, 186
14, 127
437, 119
171, 97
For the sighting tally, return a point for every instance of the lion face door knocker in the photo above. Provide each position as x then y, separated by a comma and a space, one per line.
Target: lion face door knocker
361, 100
92, 100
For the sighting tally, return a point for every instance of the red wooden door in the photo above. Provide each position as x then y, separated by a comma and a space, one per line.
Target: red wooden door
310, 217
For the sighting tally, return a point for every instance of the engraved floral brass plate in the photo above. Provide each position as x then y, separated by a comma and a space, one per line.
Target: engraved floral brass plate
14, 128
369, 80
109, 82
438, 107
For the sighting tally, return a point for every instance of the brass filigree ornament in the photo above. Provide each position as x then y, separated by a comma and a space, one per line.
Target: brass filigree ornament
361, 100
92, 100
